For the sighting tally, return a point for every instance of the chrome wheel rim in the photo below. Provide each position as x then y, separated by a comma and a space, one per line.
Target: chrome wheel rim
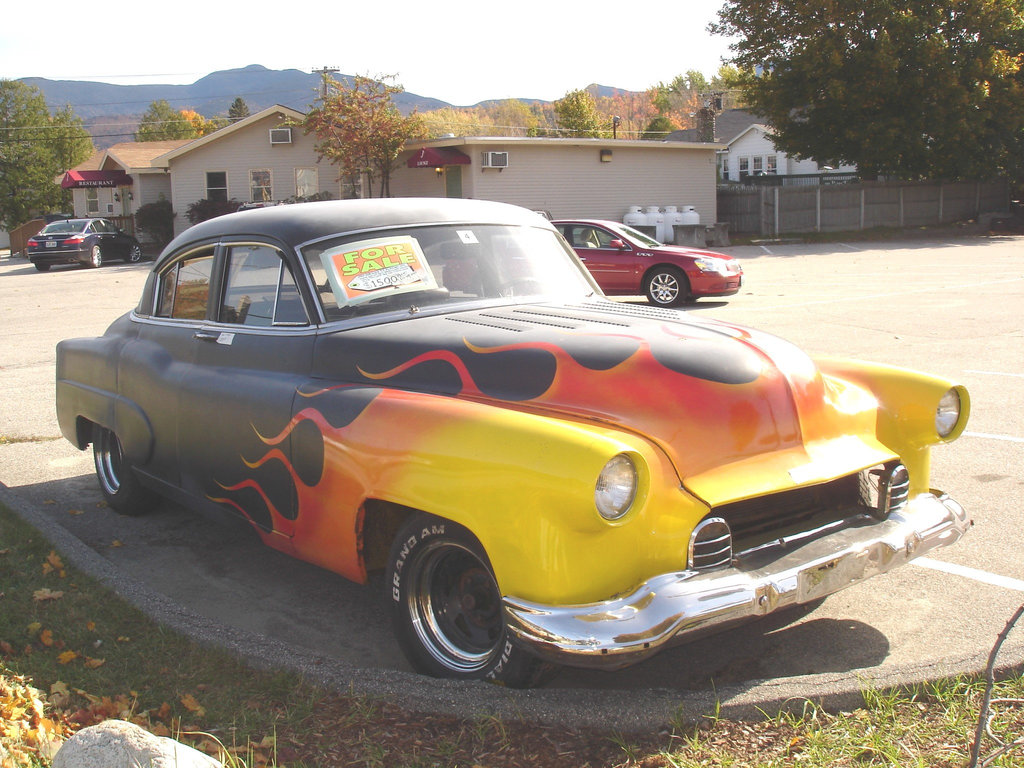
664, 288
135, 254
455, 607
109, 460
96, 257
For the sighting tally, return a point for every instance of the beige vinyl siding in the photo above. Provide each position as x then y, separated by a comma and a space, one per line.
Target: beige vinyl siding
239, 153
567, 178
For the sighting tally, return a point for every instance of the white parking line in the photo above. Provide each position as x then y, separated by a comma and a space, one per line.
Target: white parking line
987, 436
971, 573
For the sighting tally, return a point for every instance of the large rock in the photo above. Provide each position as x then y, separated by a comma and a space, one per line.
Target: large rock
119, 744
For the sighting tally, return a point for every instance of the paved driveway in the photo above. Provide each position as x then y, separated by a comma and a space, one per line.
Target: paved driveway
954, 308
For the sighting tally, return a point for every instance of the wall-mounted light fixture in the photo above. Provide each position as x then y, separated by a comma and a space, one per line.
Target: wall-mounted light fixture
606, 155
439, 170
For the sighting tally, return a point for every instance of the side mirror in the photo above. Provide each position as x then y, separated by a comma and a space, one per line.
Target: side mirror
618, 244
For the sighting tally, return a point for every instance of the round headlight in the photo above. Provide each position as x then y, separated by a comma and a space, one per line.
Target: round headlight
616, 487
947, 414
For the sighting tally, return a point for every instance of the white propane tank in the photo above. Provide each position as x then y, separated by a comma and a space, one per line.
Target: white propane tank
655, 221
634, 218
673, 218
690, 215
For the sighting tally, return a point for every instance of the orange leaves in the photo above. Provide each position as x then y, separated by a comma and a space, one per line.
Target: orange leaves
25, 730
53, 564
189, 702
41, 595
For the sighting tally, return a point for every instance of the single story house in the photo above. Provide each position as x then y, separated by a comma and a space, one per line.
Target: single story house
263, 159
592, 178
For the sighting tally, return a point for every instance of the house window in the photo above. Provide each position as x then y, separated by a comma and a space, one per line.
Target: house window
92, 200
259, 186
758, 168
773, 164
725, 168
307, 182
744, 167
217, 186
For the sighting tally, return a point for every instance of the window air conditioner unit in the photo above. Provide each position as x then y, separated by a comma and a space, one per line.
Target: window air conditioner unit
280, 135
495, 160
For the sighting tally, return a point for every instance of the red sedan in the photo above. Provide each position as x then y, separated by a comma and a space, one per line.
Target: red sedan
625, 262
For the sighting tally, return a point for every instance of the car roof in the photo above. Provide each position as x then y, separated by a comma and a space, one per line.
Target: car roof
293, 225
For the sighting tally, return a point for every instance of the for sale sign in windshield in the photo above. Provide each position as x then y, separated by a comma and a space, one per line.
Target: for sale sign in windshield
371, 268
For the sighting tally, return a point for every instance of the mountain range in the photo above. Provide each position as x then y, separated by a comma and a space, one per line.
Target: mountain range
112, 112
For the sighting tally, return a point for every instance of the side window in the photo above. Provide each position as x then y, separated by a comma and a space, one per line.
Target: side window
184, 291
259, 289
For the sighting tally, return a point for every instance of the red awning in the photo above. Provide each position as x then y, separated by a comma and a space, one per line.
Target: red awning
74, 179
435, 157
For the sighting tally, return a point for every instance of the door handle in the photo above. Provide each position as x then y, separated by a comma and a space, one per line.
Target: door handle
206, 335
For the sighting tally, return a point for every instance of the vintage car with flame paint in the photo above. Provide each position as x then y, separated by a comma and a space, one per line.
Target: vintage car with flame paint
437, 390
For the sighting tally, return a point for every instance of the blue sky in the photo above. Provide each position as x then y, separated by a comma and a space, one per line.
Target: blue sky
459, 51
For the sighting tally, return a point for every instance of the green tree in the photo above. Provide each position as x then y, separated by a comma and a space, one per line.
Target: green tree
576, 114
238, 110
359, 128
931, 88
162, 122
35, 149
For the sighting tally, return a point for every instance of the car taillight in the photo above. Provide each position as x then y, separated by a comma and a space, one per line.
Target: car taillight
74, 240
32, 241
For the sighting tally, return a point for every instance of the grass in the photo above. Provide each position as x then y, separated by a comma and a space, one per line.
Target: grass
73, 654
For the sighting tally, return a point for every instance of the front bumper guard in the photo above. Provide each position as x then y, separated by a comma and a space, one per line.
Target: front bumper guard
674, 606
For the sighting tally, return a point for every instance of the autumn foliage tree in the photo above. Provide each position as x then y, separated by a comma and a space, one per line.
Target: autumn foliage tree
162, 122
930, 88
358, 128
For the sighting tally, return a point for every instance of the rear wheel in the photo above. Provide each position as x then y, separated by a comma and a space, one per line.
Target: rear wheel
95, 257
42, 267
447, 609
667, 287
121, 488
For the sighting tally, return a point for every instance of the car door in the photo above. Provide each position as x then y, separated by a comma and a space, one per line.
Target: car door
615, 268
251, 353
112, 244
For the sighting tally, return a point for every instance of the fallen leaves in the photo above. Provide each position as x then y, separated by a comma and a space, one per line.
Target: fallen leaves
26, 731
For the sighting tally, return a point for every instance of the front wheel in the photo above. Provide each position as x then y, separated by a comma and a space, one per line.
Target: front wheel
447, 610
135, 253
95, 257
667, 287
121, 488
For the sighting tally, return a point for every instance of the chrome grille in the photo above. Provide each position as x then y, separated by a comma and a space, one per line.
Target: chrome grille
710, 545
877, 491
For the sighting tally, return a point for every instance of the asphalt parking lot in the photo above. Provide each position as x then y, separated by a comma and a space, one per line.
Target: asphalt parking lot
954, 308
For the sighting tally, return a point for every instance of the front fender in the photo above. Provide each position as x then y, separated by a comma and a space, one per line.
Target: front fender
522, 482
907, 403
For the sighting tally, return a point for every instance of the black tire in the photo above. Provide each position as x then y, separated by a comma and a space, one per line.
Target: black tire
135, 253
667, 287
95, 257
42, 267
121, 488
447, 611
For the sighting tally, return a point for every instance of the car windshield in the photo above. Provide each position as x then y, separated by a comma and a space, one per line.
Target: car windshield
413, 267
640, 237
60, 227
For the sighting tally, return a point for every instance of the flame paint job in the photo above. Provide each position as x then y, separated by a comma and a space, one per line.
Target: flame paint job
711, 413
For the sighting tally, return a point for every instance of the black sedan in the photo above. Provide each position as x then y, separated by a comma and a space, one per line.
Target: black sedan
89, 242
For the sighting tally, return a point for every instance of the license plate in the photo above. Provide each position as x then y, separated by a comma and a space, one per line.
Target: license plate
51, 243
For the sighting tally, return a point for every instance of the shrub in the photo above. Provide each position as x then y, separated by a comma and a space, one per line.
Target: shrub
156, 220
204, 209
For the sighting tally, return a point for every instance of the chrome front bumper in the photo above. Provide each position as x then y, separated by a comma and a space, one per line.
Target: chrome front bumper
629, 628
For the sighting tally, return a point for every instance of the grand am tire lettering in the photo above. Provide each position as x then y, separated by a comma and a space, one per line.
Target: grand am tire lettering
400, 562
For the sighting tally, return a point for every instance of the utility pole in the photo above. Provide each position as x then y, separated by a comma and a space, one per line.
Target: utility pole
323, 71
